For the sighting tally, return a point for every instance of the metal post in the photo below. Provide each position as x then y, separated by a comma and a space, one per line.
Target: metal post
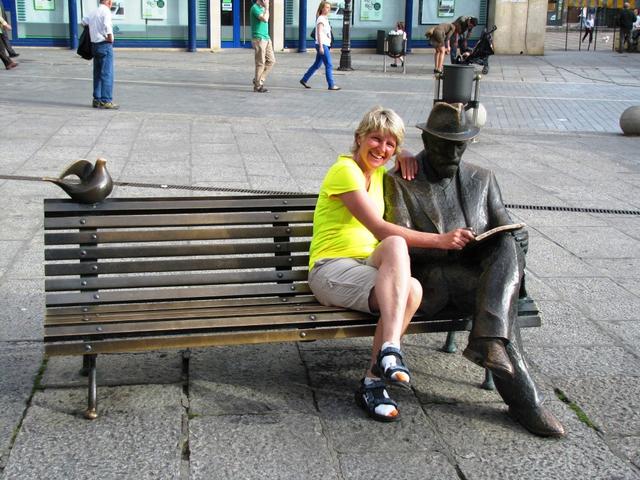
408, 23
73, 25
302, 27
566, 35
595, 26
488, 380
450, 344
191, 47
91, 413
345, 51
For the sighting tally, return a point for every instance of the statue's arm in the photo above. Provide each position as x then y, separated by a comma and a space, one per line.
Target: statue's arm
500, 215
395, 206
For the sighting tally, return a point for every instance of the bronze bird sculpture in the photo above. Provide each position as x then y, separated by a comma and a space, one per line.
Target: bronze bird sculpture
95, 182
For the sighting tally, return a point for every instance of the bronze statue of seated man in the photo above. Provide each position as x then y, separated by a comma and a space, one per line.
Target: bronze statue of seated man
482, 280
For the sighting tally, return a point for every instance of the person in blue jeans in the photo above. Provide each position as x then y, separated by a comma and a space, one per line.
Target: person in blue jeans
101, 33
323, 47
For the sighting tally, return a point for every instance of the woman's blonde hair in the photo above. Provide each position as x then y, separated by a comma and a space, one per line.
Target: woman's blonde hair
380, 119
320, 7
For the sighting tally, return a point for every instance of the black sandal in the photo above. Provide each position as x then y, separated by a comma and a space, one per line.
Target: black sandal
399, 367
368, 397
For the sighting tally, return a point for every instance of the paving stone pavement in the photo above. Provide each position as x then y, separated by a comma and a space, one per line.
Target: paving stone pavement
287, 411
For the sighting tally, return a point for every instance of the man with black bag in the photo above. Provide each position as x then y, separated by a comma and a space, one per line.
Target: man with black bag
101, 32
626, 20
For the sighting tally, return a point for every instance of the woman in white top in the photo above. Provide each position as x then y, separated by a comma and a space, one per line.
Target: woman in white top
323, 47
589, 23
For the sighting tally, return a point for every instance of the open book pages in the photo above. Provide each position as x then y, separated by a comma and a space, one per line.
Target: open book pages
501, 228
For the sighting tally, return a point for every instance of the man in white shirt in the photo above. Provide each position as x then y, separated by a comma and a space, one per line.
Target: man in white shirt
101, 33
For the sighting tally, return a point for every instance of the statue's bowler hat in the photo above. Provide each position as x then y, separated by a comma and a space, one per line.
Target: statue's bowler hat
449, 121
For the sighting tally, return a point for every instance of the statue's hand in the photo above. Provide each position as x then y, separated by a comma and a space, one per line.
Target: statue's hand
522, 239
456, 239
407, 164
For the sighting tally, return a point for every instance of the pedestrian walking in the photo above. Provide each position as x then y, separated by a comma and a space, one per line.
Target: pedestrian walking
5, 55
4, 37
261, 42
626, 20
101, 33
589, 23
636, 31
440, 38
323, 38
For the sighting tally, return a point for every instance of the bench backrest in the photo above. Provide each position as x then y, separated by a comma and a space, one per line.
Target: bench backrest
150, 249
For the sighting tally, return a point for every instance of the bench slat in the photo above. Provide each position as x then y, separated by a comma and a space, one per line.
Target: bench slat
176, 305
92, 268
120, 236
146, 281
176, 219
182, 250
88, 298
65, 206
266, 322
187, 313
241, 338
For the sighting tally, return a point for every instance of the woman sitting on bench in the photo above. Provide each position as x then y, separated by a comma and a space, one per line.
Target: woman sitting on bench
358, 260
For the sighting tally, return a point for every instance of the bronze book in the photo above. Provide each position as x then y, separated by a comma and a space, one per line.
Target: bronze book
501, 228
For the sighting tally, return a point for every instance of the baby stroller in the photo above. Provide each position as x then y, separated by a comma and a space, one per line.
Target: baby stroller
479, 55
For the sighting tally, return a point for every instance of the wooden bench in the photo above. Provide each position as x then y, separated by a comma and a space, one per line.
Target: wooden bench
141, 274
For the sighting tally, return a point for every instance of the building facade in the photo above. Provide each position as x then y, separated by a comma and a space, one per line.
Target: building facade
220, 24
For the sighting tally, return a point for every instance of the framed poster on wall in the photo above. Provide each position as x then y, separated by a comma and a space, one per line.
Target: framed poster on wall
371, 10
154, 9
117, 9
432, 12
446, 8
44, 4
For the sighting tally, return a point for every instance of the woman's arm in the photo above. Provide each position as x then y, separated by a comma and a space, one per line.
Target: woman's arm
319, 32
362, 208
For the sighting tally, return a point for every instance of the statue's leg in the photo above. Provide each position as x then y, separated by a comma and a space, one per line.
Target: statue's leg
520, 390
522, 396
502, 266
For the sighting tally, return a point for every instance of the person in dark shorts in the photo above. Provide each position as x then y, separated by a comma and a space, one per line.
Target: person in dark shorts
440, 39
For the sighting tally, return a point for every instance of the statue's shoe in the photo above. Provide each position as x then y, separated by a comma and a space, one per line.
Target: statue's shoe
538, 420
490, 353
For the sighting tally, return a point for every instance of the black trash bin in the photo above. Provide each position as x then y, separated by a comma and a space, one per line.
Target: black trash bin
457, 83
380, 42
396, 45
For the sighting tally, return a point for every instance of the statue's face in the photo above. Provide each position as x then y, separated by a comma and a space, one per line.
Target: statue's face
443, 155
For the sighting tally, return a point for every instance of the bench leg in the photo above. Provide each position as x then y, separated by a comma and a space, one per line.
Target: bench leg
450, 344
488, 380
86, 366
91, 412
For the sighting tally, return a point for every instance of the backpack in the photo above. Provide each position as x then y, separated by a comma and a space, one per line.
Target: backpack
84, 45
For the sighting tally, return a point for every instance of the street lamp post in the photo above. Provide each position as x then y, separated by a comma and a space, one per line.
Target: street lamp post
345, 51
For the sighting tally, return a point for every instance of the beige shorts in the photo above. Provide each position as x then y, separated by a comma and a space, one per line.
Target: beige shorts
343, 282
435, 37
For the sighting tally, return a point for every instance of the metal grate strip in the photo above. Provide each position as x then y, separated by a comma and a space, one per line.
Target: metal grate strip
250, 191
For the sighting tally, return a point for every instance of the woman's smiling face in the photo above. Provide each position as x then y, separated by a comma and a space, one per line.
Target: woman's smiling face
375, 149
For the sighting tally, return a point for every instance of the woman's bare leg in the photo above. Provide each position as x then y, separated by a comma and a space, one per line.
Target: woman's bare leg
396, 295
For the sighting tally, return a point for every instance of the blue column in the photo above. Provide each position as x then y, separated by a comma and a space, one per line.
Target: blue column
408, 22
192, 26
236, 23
73, 25
302, 26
